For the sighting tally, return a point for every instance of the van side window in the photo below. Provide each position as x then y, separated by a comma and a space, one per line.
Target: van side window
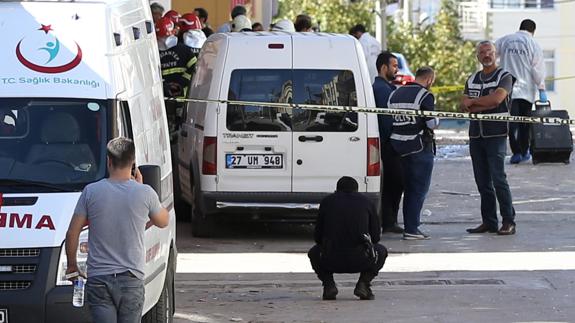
259, 86
324, 87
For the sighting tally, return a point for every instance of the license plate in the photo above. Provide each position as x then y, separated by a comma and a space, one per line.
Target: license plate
254, 161
3, 315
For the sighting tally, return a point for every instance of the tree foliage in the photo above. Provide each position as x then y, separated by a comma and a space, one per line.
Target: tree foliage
440, 46
336, 16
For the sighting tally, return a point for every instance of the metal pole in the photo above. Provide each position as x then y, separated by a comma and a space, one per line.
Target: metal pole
383, 8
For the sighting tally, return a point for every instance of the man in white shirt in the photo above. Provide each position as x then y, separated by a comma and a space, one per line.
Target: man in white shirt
371, 48
521, 56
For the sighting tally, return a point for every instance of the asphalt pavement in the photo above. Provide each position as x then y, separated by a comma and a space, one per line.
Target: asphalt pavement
260, 273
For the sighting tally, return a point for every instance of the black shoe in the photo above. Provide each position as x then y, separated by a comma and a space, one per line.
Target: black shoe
329, 292
363, 291
393, 229
482, 229
506, 229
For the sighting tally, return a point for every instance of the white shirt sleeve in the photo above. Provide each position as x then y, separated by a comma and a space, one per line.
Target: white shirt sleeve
538, 72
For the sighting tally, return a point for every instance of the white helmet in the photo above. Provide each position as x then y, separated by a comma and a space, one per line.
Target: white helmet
284, 25
241, 23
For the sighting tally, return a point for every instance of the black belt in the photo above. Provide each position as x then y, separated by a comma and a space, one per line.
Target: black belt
125, 273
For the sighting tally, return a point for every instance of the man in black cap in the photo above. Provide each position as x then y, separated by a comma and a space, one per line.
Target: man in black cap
347, 235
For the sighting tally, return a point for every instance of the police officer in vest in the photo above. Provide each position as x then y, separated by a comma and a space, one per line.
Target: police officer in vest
489, 91
412, 139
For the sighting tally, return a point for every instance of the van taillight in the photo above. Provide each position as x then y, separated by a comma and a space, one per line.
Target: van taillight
209, 163
373, 157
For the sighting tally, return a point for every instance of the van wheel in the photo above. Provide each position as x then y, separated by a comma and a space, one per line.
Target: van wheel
203, 226
163, 311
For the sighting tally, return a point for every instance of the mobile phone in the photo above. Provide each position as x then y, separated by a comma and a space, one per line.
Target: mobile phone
134, 169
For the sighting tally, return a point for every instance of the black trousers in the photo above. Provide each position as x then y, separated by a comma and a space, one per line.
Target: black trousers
519, 132
392, 185
345, 262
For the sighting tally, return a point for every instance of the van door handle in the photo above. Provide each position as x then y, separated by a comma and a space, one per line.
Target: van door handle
310, 138
184, 133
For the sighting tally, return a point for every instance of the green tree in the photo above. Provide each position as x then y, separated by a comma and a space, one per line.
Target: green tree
336, 16
440, 46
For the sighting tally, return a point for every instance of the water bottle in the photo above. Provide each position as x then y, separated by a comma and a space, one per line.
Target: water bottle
78, 297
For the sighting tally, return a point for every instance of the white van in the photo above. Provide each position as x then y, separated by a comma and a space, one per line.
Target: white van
260, 161
74, 75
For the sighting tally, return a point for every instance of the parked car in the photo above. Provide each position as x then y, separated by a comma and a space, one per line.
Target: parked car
270, 162
404, 74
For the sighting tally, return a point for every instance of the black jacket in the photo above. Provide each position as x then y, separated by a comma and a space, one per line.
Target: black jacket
343, 218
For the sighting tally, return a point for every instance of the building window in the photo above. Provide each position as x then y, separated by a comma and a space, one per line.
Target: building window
549, 59
521, 4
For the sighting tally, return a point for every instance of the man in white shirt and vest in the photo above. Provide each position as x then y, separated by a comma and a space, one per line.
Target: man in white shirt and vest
521, 56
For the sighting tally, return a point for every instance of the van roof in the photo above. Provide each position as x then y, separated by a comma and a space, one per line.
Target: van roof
283, 33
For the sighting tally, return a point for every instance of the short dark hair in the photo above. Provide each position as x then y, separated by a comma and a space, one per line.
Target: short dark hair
528, 25
257, 24
156, 7
347, 184
122, 152
424, 72
238, 11
357, 28
384, 58
302, 22
202, 13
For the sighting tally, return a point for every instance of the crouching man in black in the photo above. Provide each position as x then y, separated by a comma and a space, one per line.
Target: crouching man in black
347, 235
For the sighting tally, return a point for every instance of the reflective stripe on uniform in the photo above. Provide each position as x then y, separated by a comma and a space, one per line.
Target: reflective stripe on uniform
175, 70
399, 137
191, 62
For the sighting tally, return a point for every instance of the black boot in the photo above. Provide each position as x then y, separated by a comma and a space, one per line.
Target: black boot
363, 287
329, 291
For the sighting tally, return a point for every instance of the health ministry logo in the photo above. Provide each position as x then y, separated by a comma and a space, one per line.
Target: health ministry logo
49, 45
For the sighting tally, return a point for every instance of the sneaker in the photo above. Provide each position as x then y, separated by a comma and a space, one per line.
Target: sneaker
515, 159
526, 157
415, 236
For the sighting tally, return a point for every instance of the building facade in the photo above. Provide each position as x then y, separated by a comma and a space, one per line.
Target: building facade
492, 19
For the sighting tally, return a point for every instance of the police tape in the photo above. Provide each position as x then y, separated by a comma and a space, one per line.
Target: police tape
455, 88
504, 117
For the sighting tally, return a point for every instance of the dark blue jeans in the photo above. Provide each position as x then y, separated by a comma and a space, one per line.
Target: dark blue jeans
115, 298
417, 169
488, 158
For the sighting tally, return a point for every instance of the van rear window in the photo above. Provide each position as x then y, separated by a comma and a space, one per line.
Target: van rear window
326, 87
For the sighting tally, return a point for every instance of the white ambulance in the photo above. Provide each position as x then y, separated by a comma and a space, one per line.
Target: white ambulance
276, 163
74, 75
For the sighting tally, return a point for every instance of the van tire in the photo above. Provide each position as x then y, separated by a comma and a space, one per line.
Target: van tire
163, 311
203, 226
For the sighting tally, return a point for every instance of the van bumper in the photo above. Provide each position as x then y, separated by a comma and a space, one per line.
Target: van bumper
270, 204
43, 301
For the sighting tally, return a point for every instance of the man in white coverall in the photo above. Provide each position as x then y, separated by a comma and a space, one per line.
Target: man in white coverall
371, 48
521, 56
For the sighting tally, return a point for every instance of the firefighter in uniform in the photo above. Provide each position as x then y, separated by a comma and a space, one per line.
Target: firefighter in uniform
489, 91
177, 63
412, 138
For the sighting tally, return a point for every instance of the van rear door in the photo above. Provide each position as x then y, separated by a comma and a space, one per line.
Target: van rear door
255, 142
327, 145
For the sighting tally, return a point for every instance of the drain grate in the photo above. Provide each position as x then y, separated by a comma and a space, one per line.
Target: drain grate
439, 282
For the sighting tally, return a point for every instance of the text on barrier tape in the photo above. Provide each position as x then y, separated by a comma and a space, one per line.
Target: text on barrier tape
402, 112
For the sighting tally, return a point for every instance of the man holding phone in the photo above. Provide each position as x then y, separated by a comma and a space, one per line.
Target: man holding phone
117, 208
